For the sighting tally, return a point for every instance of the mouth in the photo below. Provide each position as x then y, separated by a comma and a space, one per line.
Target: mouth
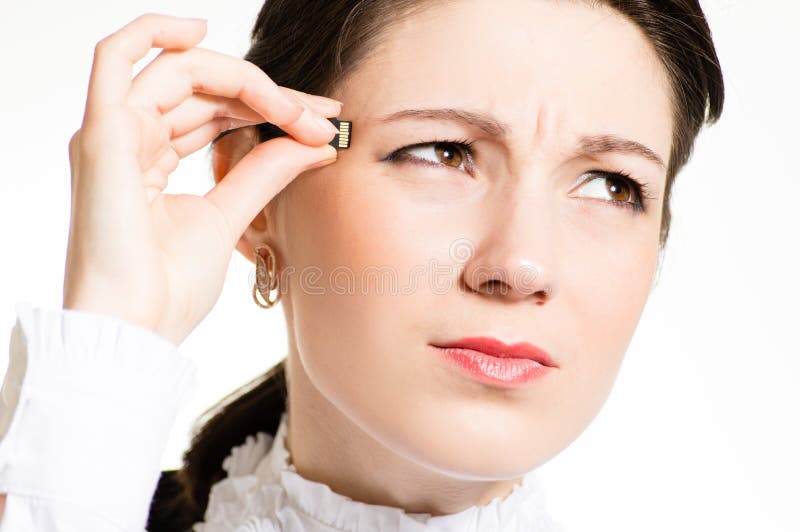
494, 362
496, 348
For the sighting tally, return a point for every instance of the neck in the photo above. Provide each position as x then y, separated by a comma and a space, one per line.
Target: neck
326, 446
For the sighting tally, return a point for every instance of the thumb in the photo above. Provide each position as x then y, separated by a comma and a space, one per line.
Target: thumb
258, 177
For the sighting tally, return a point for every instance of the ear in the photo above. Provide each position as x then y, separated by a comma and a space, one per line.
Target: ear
228, 151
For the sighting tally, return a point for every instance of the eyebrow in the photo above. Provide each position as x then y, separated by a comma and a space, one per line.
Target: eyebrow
487, 123
607, 142
588, 144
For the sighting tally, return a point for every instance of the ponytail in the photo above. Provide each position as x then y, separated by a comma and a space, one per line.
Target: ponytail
181, 496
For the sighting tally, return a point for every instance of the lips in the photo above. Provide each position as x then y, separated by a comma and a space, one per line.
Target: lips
494, 347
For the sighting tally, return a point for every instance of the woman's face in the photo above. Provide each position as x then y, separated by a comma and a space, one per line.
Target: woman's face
403, 249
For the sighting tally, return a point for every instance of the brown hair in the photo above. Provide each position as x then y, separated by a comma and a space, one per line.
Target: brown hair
344, 32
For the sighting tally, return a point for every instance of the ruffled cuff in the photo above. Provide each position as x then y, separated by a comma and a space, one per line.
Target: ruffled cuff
88, 404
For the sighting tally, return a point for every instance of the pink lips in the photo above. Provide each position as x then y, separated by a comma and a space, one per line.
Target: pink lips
496, 348
495, 362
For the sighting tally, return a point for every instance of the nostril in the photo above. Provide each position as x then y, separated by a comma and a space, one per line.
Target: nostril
544, 293
496, 286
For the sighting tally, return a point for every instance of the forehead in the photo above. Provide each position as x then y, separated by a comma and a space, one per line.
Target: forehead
544, 67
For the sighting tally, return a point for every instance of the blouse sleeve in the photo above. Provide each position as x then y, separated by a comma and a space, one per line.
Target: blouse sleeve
86, 408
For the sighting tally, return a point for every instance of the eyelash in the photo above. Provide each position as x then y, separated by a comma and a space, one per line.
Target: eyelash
640, 190
465, 145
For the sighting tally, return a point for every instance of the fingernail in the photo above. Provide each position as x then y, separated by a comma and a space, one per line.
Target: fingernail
325, 124
291, 101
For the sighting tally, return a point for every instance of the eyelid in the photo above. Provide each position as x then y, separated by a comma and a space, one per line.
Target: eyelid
464, 145
639, 189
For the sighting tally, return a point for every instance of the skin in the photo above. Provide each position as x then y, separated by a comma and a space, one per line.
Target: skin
449, 441
155, 260
375, 412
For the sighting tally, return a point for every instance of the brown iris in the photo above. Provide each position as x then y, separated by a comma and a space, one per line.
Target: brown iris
619, 189
448, 153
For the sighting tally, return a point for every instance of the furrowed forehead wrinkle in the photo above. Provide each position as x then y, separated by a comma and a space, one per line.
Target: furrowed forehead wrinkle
587, 144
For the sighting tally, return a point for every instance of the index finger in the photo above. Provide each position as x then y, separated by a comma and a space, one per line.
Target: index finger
115, 55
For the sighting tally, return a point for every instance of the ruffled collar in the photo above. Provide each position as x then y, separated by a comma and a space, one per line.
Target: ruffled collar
263, 492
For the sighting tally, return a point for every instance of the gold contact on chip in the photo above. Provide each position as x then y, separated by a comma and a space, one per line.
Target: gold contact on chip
342, 140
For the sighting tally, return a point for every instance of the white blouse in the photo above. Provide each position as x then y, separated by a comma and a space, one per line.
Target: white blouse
87, 405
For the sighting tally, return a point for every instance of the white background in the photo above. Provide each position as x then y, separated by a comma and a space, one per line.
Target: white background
701, 430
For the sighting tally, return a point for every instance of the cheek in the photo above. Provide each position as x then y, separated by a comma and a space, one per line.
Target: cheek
356, 221
605, 289
365, 239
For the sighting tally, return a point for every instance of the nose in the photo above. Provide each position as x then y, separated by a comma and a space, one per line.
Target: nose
513, 259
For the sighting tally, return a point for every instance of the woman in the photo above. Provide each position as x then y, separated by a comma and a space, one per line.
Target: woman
509, 178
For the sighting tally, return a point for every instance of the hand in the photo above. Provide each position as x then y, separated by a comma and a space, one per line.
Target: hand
159, 260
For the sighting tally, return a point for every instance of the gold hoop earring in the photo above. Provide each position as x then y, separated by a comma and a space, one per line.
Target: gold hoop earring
266, 277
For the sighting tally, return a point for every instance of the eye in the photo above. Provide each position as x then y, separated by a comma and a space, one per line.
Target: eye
456, 154
619, 188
